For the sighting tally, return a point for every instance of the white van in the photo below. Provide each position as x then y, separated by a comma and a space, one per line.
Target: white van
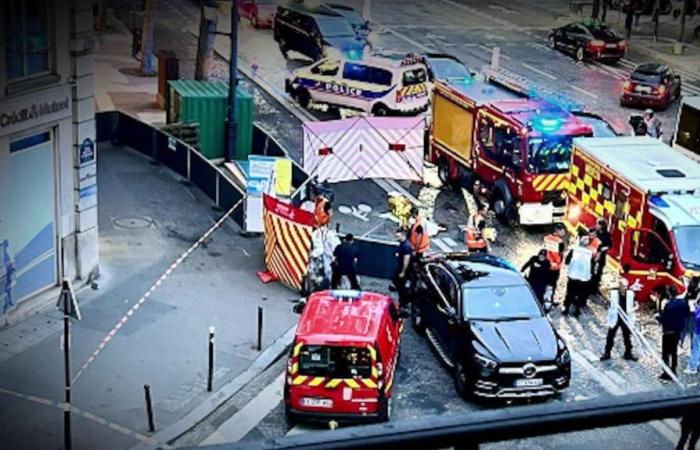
376, 85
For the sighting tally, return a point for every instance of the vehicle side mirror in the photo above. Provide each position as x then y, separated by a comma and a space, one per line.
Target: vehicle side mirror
299, 306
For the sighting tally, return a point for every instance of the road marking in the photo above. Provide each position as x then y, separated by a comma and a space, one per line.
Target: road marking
108, 337
541, 72
584, 92
248, 417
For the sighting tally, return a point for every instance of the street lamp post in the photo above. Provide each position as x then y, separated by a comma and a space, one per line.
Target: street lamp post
68, 304
233, 84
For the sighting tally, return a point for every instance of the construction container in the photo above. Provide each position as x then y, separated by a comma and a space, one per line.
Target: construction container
206, 103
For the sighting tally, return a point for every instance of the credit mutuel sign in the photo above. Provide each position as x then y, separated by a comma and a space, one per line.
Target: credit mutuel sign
24, 112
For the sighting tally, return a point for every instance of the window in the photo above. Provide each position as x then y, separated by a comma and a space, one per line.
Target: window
27, 38
446, 284
648, 248
415, 76
28, 142
328, 68
661, 229
334, 362
606, 191
366, 74
670, 173
501, 144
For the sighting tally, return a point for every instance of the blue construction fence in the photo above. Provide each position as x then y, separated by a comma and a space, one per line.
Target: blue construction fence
377, 258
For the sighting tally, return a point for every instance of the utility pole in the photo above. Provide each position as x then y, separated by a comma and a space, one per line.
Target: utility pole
68, 304
205, 45
233, 84
148, 65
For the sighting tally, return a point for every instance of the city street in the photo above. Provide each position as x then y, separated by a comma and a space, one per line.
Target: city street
149, 216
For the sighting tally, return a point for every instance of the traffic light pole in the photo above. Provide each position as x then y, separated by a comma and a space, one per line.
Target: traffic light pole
67, 441
233, 84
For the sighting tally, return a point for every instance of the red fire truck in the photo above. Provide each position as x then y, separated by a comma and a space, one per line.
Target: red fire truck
518, 147
343, 358
649, 195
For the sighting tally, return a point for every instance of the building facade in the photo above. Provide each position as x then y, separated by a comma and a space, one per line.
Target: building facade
48, 174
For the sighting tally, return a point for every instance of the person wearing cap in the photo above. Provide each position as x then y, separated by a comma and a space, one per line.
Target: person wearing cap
653, 124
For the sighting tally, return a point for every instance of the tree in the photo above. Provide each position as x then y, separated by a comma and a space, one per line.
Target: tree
148, 61
205, 46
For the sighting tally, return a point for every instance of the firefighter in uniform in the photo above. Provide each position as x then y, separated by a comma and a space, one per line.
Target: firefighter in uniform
418, 235
475, 239
555, 245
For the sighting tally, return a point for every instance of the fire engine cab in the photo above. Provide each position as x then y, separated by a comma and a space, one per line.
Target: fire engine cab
649, 195
343, 358
519, 147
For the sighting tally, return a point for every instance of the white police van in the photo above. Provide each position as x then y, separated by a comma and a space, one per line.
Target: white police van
376, 85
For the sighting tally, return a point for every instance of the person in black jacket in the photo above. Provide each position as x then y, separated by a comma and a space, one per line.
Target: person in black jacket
673, 319
538, 274
690, 428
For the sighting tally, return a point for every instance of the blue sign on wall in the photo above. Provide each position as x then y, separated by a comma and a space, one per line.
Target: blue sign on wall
86, 152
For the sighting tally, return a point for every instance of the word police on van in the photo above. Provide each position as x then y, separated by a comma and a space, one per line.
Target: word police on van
376, 85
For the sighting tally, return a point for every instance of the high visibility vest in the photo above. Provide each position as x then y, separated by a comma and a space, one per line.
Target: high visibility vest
419, 241
552, 243
320, 215
580, 266
473, 242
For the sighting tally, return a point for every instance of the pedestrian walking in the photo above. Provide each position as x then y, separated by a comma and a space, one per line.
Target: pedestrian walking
653, 124
673, 320
418, 235
538, 273
694, 357
345, 258
580, 262
404, 255
621, 300
555, 245
690, 431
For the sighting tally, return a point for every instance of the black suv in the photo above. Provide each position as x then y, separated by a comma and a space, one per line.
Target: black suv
484, 322
316, 32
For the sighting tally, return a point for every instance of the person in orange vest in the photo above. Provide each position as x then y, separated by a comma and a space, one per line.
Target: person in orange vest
555, 245
323, 211
477, 217
475, 240
417, 235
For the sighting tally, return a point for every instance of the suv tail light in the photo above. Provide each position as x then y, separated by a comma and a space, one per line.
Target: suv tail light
661, 89
627, 86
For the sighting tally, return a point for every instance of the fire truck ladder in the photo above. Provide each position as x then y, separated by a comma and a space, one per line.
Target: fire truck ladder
522, 86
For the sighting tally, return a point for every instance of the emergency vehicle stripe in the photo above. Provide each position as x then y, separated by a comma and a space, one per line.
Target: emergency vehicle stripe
299, 380
375, 372
297, 349
550, 182
372, 352
352, 383
316, 381
288, 248
369, 383
333, 383
294, 368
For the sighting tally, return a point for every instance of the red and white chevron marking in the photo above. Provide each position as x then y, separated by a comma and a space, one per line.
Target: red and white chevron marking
360, 148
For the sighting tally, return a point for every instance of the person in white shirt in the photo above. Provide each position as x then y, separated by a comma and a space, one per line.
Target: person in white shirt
579, 273
621, 302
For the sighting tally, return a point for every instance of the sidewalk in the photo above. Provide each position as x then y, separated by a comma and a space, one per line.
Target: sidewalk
147, 220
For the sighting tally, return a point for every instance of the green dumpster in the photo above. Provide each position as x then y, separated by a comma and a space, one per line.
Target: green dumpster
206, 103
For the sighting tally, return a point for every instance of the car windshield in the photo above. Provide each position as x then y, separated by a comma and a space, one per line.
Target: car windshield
500, 303
335, 27
604, 33
334, 362
449, 69
549, 154
687, 239
414, 76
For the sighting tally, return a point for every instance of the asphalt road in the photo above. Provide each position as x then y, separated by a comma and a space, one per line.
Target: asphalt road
470, 30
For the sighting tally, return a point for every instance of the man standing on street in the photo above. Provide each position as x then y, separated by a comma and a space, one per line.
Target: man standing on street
554, 244
605, 241
621, 300
673, 319
653, 124
404, 254
580, 262
344, 263
417, 234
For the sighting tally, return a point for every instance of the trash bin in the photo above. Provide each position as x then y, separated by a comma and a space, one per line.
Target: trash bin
206, 103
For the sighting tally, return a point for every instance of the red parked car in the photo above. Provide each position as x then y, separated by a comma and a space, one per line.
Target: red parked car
261, 13
651, 85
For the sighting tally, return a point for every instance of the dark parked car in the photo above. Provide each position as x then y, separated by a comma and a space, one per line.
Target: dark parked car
484, 322
600, 126
651, 84
589, 40
316, 32
446, 67
353, 16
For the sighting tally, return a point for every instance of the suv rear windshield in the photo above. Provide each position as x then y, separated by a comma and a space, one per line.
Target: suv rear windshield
604, 33
644, 77
335, 27
334, 362
414, 76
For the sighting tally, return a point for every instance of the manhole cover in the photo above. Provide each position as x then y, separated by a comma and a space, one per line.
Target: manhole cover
132, 222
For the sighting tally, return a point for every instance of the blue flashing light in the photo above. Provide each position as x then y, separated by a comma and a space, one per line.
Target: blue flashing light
353, 54
547, 124
658, 201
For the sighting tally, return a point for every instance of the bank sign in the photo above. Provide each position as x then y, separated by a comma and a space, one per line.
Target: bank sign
24, 112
